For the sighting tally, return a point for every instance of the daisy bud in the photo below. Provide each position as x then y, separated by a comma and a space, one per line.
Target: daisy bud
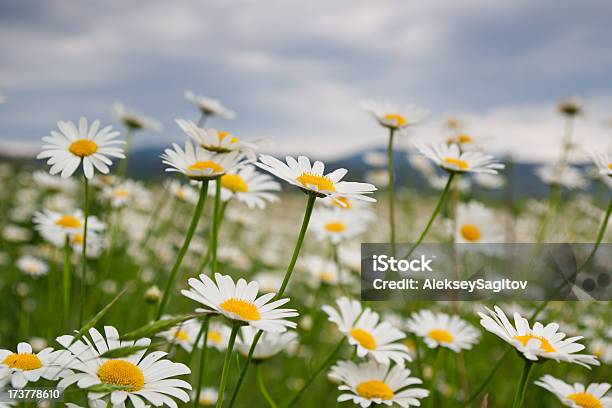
152, 295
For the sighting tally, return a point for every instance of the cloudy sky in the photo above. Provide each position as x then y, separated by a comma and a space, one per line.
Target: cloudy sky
296, 71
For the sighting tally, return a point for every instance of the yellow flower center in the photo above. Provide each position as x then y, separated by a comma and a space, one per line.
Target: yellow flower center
246, 310
396, 119
234, 183
544, 344
68, 221
364, 338
335, 226
214, 336
181, 193
464, 138
223, 134
470, 232
374, 389
181, 335
585, 400
327, 277
121, 193
610, 166
342, 202
77, 239
440, 335
206, 165
458, 163
121, 373
83, 147
23, 361
322, 183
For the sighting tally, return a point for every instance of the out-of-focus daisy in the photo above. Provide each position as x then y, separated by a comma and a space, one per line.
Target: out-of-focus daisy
135, 120
56, 227
375, 159
320, 270
269, 281
268, 345
32, 266
377, 177
217, 141
537, 342
365, 331
94, 243
577, 395
311, 178
491, 181
146, 377
438, 182
53, 183
71, 146
15, 233
422, 165
248, 186
565, 176
604, 163
125, 192
440, 329
26, 366
197, 163
344, 203
461, 139
184, 334
371, 383
476, 223
571, 106
183, 192
336, 225
450, 158
239, 302
602, 349
393, 116
208, 106
218, 335
208, 396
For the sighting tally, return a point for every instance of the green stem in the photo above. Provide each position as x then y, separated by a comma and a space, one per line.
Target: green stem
204, 330
206, 257
214, 242
488, 379
84, 254
128, 145
296, 252
434, 373
434, 214
179, 259
522, 387
390, 187
202, 120
226, 363
322, 367
66, 280
262, 387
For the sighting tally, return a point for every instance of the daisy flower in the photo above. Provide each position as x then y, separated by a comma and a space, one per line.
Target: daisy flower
183, 192
26, 366
197, 163
365, 331
475, 223
566, 176
56, 227
571, 107
537, 342
184, 334
208, 396
371, 383
239, 302
54, 184
577, 395
217, 141
71, 146
269, 281
208, 106
440, 329
135, 120
268, 345
94, 243
604, 163
320, 270
311, 178
218, 336
127, 191
248, 186
337, 225
451, 159
395, 117
32, 266
145, 377
344, 203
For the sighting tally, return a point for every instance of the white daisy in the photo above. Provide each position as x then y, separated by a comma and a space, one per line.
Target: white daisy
218, 335
566, 176
450, 158
184, 334
344, 203
208, 106
197, 163
311, 178
30, 265
54, 183
128, 191
135, 120
183, 192
145, 378
208, 396
268, 345
70, 146
56, 227
248, 186
476, 223
269, 281
491, 181
537, 342
577, 395
217, 141
320, 270
440, 329
239, 302
372, 383
604, 163
393, 116
26, 366
365, 331
94, 243
336, 225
